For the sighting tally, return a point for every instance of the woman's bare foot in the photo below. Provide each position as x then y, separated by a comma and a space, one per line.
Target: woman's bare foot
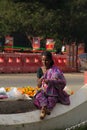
43, 113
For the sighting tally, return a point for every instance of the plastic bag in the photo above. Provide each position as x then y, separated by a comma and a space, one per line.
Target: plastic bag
3, 93
14, 94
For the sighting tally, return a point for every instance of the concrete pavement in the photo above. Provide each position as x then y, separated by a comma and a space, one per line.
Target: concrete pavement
74, 80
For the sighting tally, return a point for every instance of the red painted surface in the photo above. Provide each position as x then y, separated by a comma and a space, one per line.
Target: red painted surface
30, 62
13, 63
85, 77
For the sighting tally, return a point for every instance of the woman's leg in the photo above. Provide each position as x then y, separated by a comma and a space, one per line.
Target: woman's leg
40, 100
51, 102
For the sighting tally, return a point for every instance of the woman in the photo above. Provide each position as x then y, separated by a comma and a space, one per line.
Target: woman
52, 82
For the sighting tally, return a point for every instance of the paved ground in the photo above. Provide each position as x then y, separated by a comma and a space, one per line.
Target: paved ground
17, 80
74, 80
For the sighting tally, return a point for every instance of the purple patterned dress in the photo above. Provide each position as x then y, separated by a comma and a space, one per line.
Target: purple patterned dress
53, 92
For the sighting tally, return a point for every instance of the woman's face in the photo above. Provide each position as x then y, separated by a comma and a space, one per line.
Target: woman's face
46, 61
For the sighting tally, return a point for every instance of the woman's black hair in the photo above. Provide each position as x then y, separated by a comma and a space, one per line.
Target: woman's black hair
48, 54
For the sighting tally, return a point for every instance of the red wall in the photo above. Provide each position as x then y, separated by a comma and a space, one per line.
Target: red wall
29, 62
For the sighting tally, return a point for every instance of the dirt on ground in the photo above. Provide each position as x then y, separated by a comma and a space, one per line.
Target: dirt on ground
18, 106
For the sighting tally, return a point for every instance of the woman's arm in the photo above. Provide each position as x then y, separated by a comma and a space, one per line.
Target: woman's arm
39, 77
39, 82
58, 81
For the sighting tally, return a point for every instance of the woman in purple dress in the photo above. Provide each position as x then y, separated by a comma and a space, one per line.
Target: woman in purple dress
52, 82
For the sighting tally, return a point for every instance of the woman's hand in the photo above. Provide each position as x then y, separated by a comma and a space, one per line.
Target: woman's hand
39, 80
46, 81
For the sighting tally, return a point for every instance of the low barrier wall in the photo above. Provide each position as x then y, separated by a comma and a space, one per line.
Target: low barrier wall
29, 62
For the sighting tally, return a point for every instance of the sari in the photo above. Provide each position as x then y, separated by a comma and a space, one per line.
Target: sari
53, 92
